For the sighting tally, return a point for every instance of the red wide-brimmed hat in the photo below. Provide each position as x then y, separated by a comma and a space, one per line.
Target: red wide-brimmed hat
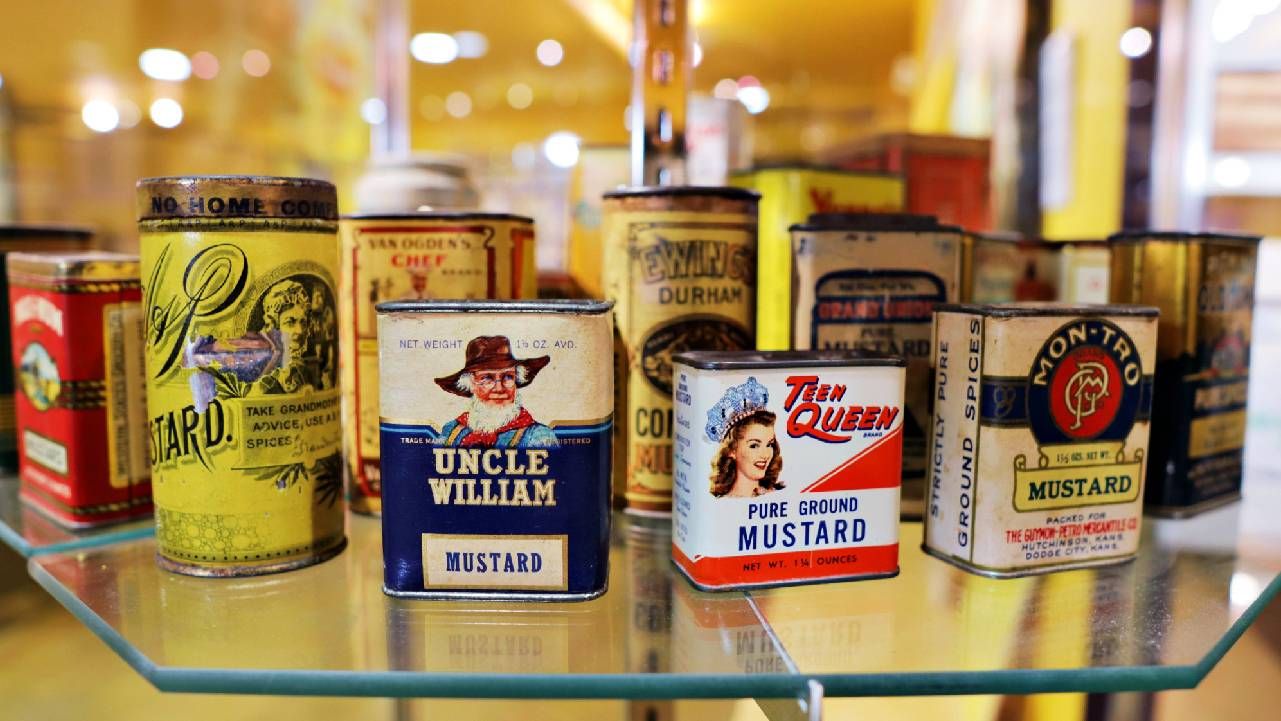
490, 352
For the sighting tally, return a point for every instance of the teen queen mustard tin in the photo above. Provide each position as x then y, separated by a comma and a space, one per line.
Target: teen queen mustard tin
496, 435
680, 264
1204, 285
871, 281
788, 466
241, 344
1040, 434
457, 255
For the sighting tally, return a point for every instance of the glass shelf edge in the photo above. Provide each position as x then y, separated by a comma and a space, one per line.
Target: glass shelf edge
1237, 629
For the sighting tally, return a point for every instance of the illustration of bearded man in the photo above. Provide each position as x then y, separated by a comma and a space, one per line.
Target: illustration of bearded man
492, 378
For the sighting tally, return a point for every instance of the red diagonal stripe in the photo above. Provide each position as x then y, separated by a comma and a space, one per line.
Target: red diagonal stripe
880, 465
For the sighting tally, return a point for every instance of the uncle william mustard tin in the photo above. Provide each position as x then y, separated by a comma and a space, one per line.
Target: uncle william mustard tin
1204, 285
241, 343
415, 256
1039, 436
788, 466
496, 434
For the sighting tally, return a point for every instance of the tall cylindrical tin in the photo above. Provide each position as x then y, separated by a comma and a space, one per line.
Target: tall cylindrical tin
1204, 285
241, 326
496, 431
871, 282
81, 409
24, 237
413, 257
680, 263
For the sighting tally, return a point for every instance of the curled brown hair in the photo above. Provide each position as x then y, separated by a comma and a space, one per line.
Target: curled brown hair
724, 470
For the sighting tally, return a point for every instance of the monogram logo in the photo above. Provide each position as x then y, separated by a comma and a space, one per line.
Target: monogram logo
1084, 390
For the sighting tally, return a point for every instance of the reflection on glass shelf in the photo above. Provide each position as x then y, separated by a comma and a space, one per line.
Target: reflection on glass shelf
1160, 622
31, 533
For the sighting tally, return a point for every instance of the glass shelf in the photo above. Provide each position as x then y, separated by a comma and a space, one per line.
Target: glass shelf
1160, 622
31, 533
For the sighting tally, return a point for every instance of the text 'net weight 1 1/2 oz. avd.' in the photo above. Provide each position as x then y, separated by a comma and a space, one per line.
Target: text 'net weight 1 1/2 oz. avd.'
239, 281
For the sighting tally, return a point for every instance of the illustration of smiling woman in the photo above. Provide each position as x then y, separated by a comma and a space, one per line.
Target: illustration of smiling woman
748, 462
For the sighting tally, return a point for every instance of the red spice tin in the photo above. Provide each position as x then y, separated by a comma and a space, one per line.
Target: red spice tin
77, 354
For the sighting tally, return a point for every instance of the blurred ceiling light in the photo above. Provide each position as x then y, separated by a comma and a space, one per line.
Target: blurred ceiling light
561, 149
520, 96
130, 113
754, 98
434, 48
550, 53
749, 81
100, 116
373, 111
698, 54
204, 65
471, 44
166, 112
725, 89
432, 107
256, 63
1231, 172
697, 12
164, 64
1136, 42
458, 104
524, 156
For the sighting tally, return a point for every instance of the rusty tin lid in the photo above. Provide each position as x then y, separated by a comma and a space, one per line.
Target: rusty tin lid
1046, 308
684, 191
41, 231
236, 196
729, 360
548, 305
874, 223
1180, 236
87, 265
430, 215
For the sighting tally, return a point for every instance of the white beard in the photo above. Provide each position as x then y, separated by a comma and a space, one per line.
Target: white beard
489, 417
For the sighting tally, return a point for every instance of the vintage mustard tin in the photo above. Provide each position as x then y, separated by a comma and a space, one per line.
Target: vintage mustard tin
496, 434
680, 264
788, 466
77, 345
239, 276
34, 238
459, 255
1204, 285
871, 281
1040, 434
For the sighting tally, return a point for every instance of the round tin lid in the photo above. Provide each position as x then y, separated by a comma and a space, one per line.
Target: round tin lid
86, 265
547, 305
714, 191
440, 215
726, 360
1135, 236
44, 230
874, 222
1047, 308
236, 196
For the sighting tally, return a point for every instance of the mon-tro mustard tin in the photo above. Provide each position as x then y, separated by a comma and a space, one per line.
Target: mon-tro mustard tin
788, 466
241, 343
496, 433
1204, 285
1040, 435
680, 264
81, 410
455, 255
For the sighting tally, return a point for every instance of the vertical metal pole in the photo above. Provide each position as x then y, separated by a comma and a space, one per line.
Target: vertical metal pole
391, 78
660, 61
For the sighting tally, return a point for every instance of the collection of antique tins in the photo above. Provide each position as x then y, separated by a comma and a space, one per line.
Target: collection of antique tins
788, 466
495, 479
481, 422
456, 255
77, 344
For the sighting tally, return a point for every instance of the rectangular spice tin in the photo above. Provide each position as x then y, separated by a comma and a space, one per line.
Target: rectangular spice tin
1005, 267
81, 408
496, 434
1204, 285
680, 264
1039, 436
788, 466
455, 255
871, 281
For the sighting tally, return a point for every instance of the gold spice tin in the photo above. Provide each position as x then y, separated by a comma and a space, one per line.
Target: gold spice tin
1039, 435
415, 256
1204, 285
870, 281
241, 340
680, 265
26, 237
